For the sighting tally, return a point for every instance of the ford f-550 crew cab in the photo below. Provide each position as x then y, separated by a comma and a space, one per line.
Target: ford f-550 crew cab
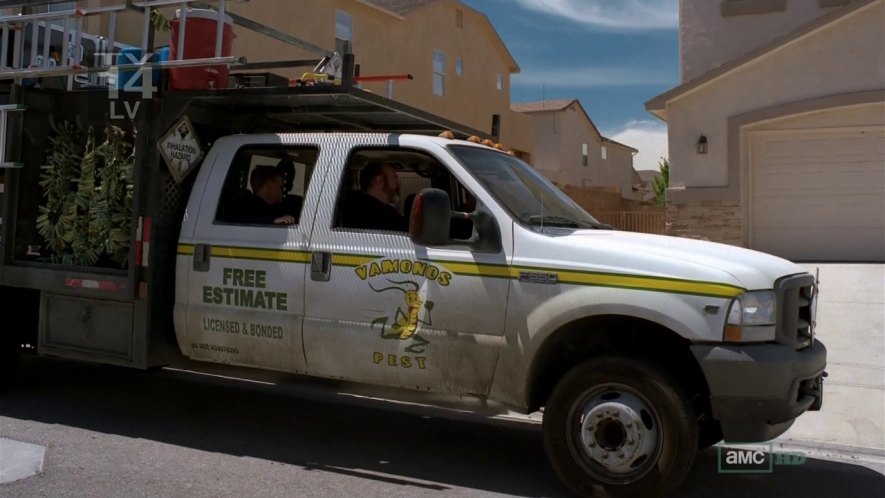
637, 348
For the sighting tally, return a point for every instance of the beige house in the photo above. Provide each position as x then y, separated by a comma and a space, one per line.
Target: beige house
569, 150
461, 67
777, 131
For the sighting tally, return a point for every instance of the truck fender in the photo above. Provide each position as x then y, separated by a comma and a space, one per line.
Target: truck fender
528, 330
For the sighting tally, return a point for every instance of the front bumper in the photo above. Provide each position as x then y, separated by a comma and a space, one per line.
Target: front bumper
757, 391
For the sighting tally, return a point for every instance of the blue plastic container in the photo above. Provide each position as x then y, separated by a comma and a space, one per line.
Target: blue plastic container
130, 80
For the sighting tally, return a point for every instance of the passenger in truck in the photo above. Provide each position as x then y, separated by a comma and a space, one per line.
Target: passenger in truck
263, 205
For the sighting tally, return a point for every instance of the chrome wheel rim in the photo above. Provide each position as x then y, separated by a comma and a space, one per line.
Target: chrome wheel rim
616, 433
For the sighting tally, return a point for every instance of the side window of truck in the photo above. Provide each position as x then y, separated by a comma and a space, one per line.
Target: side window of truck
380, 185
265, 185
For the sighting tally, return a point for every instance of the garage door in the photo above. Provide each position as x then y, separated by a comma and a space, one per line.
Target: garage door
819, 195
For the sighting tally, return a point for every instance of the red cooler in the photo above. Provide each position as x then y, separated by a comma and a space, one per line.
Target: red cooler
199, 43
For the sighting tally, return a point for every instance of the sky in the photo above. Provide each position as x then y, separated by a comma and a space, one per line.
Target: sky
612, 55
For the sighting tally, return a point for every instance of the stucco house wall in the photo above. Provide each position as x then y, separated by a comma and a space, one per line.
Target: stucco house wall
813, 67
470, 99
714, 32
384, 43
832, 76
559, 136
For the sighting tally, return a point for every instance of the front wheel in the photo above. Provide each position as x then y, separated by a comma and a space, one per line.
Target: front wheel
620, 424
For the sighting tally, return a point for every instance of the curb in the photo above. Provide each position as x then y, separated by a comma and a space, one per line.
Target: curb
847, 449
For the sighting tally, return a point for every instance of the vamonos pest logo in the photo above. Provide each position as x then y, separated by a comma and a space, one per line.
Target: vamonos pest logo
410, 279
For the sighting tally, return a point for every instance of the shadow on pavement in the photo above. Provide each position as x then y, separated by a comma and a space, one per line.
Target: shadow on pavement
243, 419
813, 478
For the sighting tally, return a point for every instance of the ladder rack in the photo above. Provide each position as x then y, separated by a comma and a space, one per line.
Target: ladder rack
36, 63
72, 25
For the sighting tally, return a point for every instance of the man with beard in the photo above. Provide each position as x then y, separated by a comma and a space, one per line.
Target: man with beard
373, 207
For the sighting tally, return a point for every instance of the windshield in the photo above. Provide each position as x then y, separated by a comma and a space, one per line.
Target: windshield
530, 197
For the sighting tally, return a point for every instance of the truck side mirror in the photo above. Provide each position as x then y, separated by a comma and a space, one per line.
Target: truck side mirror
429, 220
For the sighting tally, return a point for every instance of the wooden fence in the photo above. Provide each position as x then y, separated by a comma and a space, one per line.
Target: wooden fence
636, 221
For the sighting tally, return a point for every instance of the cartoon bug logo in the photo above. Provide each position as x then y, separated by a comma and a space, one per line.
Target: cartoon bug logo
405, 324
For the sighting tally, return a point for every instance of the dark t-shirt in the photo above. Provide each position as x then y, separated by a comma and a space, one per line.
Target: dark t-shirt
253, 209
365, 211
291, 205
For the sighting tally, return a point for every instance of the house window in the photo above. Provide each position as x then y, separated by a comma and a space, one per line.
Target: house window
63, 6
55, 7
459, 19
499, 82
747, 7
584, 159
604, 153
439, 72
459, 66
343, 32
58, 7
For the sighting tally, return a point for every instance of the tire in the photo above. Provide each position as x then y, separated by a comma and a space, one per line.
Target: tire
620, 425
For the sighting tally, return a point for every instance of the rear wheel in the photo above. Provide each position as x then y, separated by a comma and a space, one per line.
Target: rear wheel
622, 425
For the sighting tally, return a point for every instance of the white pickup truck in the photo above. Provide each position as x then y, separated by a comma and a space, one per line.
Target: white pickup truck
639, 349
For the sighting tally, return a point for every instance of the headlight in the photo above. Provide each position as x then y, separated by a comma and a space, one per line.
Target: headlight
752, 317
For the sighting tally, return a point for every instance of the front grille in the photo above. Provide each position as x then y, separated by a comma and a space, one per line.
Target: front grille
795, 296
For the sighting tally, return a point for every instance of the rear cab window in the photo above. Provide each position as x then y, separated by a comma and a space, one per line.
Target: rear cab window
266, 184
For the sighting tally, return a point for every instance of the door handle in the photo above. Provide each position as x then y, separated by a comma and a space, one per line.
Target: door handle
202, 256
320, 266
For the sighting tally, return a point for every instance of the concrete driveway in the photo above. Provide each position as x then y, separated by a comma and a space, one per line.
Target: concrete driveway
851, 321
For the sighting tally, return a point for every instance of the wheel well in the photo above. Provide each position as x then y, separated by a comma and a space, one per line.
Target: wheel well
620, 335
20, 309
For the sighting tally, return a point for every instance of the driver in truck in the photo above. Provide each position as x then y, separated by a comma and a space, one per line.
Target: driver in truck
372, 208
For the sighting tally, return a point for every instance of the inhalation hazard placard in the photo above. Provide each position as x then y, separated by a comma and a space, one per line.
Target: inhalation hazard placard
181, 149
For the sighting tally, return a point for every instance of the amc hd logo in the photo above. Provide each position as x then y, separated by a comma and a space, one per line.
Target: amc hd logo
756, 458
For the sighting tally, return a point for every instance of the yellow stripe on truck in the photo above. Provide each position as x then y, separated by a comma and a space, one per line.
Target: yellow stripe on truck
253, 253
599, 279
352, 260
478, 270
647, 283
573, 277
260, 254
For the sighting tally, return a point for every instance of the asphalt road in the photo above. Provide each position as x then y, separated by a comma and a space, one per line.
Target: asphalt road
117, 432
